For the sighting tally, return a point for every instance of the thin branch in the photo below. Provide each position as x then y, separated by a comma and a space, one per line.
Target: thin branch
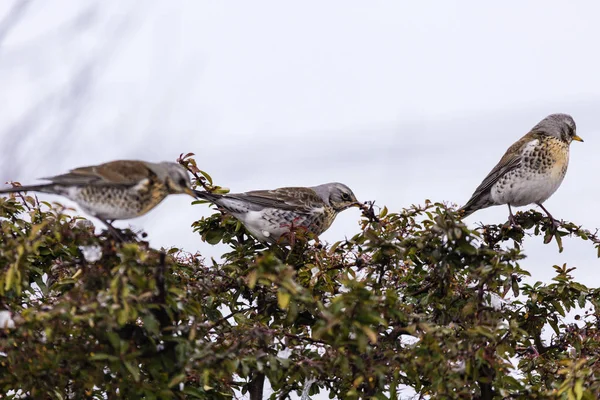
225, 318
13, 16
305, 339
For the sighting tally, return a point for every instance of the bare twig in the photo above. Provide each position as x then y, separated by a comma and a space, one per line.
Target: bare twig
160, 299
225, 318
13, 17
368, 211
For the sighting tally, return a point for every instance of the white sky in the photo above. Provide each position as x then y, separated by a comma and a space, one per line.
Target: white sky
402, 101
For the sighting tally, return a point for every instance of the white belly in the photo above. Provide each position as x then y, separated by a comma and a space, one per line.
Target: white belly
520, 188
261, 228
107, 212
271, 224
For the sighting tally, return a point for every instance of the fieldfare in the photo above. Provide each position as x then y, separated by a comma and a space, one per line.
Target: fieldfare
118, 189
270, 215
531, 169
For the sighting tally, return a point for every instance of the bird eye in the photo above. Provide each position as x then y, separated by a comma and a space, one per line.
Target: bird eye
182, 182
345, 197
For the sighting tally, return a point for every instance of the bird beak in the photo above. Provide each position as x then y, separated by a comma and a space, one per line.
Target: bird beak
357, 204
577, 138
189, 191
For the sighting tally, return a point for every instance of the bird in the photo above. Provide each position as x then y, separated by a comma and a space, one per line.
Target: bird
531, 169
270, 215
116, 190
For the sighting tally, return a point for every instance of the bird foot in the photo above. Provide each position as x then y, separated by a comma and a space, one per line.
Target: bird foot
513, 222
122, 235
555, 223
118, 236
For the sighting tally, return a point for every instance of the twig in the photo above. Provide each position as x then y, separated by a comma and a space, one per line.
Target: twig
225, 318
368, 211
193, 169
306, 339
161, 313
160, 279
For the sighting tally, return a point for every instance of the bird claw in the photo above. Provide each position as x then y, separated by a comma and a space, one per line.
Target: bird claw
513, 222
555, 223
120, 235
117, 234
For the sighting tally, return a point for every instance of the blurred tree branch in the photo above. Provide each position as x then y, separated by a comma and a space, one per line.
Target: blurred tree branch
55, 113
12, 18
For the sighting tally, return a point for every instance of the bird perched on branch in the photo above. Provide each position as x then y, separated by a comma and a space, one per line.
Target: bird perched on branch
531, 169
269, 215
118, 189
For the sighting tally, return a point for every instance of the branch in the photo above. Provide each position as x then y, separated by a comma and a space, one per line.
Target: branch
190, 164
306, 339
14, 15
225, 318
161, 313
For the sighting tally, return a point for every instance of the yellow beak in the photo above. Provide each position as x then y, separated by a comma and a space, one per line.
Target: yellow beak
577, 138
189, 191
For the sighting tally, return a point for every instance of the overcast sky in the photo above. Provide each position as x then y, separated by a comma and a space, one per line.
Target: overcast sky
401, 101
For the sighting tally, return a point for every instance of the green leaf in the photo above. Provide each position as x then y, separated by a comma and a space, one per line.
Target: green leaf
515, 287
371, 334
558, 242
283, 299
578, 389
207, 176
151, 324
133, 370
102, 356
558, 307
214, 236
554, 324
176, 380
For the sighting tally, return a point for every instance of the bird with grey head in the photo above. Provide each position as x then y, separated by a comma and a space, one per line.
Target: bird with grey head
270, 215
531, 170
116, 190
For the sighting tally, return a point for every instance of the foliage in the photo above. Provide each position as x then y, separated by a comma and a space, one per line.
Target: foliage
415, 299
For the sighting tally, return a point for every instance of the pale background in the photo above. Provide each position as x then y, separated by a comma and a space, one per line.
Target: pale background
401, 101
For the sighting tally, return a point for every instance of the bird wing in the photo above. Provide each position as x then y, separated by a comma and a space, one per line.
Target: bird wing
511, 160
122, 172
297, 199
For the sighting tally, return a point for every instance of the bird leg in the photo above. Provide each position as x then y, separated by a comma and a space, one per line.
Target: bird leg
554, 221
511, 218
113, 231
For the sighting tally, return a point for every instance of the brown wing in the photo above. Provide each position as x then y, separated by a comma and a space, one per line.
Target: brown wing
122, 172
287, 198
511, 160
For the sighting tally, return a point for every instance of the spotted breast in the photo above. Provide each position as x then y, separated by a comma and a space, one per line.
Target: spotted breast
119, 202
543, 166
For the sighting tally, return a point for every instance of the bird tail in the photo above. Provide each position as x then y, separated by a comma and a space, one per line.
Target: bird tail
466, 211
474, 204
32, 188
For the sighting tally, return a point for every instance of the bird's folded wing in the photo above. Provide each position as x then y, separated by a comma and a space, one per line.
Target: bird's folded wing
511, 160
122, 172
293, 198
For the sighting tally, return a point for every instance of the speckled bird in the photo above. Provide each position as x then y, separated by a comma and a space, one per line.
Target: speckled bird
118, 189
269, 215
531, 169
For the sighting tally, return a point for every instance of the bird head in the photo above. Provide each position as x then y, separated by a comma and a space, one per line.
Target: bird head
337, 195
561, 126
175, 177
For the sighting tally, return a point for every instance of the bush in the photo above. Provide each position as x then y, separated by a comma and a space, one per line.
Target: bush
415, 299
